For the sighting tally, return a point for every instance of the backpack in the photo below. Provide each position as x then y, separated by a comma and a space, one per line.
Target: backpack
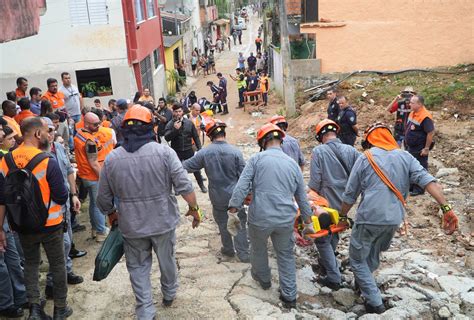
26, 211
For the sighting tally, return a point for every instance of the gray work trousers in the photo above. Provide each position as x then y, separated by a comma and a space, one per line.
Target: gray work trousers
367, 241
326, 247
12, 281
239, 242
283, 243
53, 245
67, 249
138, 258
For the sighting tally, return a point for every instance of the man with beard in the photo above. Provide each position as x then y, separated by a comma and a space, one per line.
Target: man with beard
88, 151
54, 196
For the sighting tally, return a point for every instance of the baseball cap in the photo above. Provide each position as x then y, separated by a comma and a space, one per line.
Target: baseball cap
121, 102
49, 122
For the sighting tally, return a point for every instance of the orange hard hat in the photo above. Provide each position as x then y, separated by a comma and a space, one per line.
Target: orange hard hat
384, 140
324, 127
317, 199
139, 113
267, 132
214, 126
276, 119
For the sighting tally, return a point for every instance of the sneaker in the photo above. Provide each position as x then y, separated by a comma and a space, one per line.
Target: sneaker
12, 312
100, 237
371, 309
73, 278
167, 303
203, 189
288, 304
263, 284
326, 283
73, 254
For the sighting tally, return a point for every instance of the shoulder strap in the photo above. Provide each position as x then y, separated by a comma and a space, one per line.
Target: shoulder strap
36, 160
10, 162
338, 156
383, 177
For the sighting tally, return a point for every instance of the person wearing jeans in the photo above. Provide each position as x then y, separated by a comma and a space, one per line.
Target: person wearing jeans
88, 160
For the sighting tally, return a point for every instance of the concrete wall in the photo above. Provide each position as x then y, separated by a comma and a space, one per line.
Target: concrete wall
169, 58
59, 47
277, 74
158, 82
393, 34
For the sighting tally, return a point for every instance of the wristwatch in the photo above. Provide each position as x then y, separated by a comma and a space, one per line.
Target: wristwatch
446, 208
75, 195
195, 208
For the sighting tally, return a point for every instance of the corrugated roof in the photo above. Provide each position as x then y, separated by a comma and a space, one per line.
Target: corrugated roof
177, 16
169, 41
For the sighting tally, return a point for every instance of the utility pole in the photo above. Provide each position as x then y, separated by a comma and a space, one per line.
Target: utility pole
232, 12
288, 84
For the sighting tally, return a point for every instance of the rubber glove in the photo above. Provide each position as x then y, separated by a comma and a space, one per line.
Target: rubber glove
197, 215
450, 222
308, 229
233, 223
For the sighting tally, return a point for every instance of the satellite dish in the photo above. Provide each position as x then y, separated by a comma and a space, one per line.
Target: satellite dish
162, 2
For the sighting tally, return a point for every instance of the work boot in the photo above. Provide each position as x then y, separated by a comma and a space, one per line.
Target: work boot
37, 313
203, 189
263, 284
48, 292
226, 253
326, 283
78, 227
62, 313
73, 278
167, 303
12, 312
288, 304
371, 309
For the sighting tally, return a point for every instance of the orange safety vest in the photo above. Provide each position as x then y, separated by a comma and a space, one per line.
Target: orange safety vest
85, 170
22, 156
106, 139
417, 117
80, 124
106, 124
56, 99
264, 84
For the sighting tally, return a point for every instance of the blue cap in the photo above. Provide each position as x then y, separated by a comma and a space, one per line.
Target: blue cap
121, 102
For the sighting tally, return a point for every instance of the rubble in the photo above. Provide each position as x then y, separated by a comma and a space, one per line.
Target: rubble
443, 172
455, 285
345, 297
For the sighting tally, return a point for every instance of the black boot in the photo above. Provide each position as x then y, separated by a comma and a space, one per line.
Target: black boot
37, 313
62, 313
12, 312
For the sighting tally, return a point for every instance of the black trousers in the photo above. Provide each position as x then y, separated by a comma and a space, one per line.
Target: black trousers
184, 155
423, 160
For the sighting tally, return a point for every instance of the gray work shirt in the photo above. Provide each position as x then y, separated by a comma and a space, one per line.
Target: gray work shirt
72, 100
143, 183
274, 180
327, 175
379, 205
65, 166
291, 147
223, 164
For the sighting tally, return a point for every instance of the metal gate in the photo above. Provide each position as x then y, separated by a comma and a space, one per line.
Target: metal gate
146, 72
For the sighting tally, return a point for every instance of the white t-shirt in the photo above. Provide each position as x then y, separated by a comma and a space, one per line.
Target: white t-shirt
71, 100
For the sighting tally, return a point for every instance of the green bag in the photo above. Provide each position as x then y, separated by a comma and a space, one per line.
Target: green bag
109, 254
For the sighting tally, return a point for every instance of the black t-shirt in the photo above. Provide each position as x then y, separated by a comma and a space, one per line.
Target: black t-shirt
333, 110
168, 114
252, 61
415, 136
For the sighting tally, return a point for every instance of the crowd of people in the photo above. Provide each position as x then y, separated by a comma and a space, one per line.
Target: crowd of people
132, 159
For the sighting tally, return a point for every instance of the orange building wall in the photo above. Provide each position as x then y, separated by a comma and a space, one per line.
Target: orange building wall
393, 34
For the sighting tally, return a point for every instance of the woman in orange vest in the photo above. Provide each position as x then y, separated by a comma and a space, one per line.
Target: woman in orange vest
264, 86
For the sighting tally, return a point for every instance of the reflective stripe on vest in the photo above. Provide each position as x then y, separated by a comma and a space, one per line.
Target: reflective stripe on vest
22, 156
107, 142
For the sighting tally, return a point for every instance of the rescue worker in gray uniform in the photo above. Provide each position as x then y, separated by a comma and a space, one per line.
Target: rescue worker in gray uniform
381, 211
141, 173
223, 164
331, 164
290, 145
275, 180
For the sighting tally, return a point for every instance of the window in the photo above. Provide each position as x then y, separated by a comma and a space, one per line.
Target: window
309, 11
139, 11
84, 12
157, 57
150, 8
147, 74
94, 82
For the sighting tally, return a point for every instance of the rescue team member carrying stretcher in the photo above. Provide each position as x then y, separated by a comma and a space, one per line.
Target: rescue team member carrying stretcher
274, 180
223, 164
331, 165
141, 174
383, 175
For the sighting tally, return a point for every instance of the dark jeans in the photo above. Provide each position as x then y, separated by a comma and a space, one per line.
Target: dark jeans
53, 245
241, 97
424, 163
265, 97
185, 155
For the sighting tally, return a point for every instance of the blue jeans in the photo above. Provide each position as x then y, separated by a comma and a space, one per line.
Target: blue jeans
97, 219
241, 97
76, 118
12, 281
